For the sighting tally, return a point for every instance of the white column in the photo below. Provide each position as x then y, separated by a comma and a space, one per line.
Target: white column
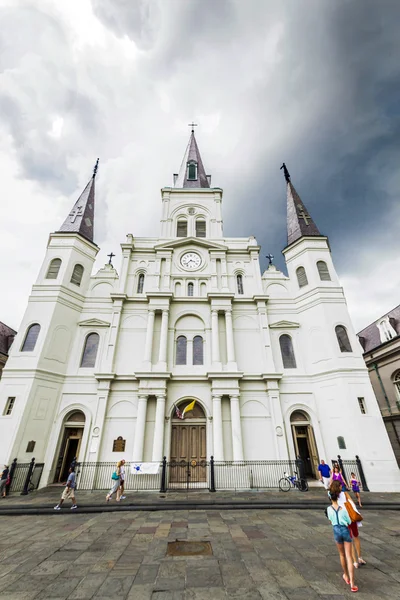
216, 360
237, 443
158, 442
149, 339
230, 348
224, 275
217, 428
162, 355
140, 428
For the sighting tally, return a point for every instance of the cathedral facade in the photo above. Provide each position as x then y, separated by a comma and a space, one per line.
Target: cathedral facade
102, 361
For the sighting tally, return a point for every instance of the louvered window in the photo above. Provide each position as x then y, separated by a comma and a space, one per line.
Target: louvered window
181, 229
9, 406
239, 280
181, 344
77, 275
54, 268
31, 338
288, 358
140, 285
90, 350
190, 289
201, 229
323, 271
301, 276
396, 382
343, 339
192, 171
198, 358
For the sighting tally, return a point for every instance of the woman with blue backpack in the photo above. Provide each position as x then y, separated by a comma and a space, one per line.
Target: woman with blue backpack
116, 482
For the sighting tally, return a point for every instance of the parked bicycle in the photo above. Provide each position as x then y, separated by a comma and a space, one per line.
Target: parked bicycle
288, 481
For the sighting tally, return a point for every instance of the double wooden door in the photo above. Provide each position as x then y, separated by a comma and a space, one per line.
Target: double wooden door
188, 461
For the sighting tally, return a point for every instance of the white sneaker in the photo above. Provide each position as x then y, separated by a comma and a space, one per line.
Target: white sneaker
123, 497
74, 507
57, 507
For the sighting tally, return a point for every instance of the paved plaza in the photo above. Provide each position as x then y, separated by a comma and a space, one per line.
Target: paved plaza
256, 555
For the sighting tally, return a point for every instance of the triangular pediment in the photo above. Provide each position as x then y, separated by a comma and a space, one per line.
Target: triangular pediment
190, 241
284, 325
94, 323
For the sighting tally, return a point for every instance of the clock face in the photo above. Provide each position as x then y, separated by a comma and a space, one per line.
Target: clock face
190, 260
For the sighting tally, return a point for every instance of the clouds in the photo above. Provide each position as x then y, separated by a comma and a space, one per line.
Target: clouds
314, 84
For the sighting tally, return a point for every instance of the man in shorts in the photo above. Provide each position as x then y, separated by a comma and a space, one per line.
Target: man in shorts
69, 492
324, 474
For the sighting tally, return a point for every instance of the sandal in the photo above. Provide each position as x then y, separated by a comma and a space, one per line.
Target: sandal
356, 565
361, 561
354, 589
346, 580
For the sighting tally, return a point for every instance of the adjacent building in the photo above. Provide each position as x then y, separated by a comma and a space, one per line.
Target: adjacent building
7, 336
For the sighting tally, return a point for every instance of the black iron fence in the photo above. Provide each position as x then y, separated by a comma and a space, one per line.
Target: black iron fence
98, 476
256, 474
352, 466
24, 477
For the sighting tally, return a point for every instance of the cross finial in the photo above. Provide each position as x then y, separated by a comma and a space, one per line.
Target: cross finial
96, 166
270, 258
111, 255
285, 172
192, 125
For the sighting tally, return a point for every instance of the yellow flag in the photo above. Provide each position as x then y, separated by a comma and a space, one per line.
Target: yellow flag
188, 407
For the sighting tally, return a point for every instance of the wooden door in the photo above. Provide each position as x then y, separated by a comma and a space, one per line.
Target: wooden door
313, 450
188, 453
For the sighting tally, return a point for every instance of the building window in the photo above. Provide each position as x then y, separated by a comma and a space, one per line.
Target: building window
386, 333
323, 271
361, 404
90, 350
396, 381
201, 229
239, 282
9, 406
140, 285
77, 275
288, 358
301, 276
192, 171
341, 443
190, 289
181, 228
198, 358
181, 345
54, 267
31, 338
343, 338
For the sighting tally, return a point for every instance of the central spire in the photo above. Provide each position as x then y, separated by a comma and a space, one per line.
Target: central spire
192, 173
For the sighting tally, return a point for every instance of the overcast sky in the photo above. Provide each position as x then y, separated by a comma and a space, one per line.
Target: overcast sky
310, 82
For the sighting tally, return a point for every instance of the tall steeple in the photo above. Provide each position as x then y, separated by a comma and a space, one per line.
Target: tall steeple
192, 173
299, 221
81, 218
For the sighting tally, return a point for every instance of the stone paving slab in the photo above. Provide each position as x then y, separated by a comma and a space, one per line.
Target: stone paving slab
257, 555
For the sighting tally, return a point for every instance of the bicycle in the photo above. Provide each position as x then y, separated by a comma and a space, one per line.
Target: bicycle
288, 481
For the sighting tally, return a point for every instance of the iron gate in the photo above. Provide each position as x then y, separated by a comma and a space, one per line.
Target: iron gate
191, 474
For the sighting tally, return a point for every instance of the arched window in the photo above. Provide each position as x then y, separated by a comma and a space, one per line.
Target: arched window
181, 344
343, 338
181, 228
77, 275
90, 350
198, 358
190, 289
178, 289
288, 358
31, 338
301, 276
396, 381
140, 284
54, 267
192, 171
239, 281
200, 228
323, 271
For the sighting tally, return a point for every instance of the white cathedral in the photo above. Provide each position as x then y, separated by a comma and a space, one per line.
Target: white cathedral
101, 361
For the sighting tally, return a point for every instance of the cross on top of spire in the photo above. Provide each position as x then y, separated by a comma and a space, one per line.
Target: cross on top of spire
192, 125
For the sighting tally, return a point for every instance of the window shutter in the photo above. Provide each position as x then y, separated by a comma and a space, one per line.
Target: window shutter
288, 358
181, 344
323, 271
90, 351
301, 276
239, 280
140, 286
31, 338
343, 339
201, 229
54, 268
181, 230
190, 289
198, 358
77, 275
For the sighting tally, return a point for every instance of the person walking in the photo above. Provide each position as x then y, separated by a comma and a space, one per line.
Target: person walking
343, 498
69, 491
338, 476
340, 520
355, 486
122, 482
324, 474
116, 479
5, 476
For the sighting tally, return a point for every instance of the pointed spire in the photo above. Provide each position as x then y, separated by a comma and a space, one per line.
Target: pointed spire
192, 173
299, 222
81, 218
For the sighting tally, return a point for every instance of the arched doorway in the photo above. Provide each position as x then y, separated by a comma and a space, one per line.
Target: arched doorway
304, 441
70, 443
189, 442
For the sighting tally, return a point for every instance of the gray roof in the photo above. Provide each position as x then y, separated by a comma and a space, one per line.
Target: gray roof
6, 337
81, 218
370, 336
299, 221
192, 153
